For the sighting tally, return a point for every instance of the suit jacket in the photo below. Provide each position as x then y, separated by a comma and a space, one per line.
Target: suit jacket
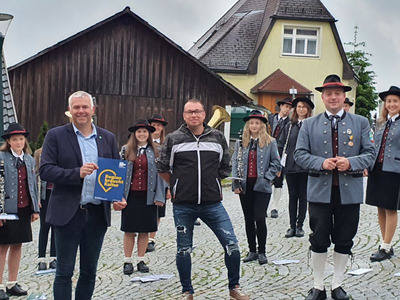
314, 145
391, 159
273, 121
60, 164
268, 164
290, 166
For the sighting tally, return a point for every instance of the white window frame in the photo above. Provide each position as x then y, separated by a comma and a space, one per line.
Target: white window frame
294, 36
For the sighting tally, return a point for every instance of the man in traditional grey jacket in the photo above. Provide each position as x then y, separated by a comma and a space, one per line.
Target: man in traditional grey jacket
335, 147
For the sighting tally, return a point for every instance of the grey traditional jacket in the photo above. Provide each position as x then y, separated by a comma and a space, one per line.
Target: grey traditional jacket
11, 182
391, 159
273, 121
155, 184
268, 164
314, 145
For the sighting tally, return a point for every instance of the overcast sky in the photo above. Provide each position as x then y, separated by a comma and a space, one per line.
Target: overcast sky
39, 24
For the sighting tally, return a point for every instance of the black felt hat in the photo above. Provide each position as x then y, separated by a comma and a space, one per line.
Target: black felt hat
303, 99
13, 129
256, 114
347, 101
159, 119
284, 101
394, 90
142, 124
333, 81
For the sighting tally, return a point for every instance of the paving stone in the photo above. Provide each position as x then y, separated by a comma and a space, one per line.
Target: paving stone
209, 272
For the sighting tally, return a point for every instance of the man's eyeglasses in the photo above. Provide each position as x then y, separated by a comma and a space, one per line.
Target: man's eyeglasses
197, 112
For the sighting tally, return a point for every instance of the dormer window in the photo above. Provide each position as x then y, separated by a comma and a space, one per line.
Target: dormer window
300, 41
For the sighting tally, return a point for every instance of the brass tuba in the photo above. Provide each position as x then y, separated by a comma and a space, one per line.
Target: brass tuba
220, 115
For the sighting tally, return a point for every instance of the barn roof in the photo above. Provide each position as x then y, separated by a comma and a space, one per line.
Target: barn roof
124, 12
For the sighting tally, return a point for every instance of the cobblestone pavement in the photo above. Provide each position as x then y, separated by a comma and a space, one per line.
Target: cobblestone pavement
209, 273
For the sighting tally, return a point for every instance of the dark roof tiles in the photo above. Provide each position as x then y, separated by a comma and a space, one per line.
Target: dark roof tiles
233, 51
303, 9
235, 41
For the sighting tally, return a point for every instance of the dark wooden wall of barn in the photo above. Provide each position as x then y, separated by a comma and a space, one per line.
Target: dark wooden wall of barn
132, 71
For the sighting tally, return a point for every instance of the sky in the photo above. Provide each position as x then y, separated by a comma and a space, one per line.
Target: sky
39, 24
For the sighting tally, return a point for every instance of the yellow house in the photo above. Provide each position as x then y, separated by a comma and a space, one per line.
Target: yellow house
273, 49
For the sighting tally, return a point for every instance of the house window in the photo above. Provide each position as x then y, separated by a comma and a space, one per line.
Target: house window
300, 41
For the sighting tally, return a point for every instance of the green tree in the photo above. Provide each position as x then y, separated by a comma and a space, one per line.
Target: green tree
40, 138
359, 59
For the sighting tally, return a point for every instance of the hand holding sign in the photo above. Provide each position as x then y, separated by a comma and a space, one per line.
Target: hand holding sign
87, 169
120, 205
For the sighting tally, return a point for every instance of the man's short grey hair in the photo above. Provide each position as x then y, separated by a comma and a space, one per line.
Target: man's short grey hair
80, 94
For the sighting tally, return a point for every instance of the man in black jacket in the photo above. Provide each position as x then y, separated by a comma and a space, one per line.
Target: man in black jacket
193, 160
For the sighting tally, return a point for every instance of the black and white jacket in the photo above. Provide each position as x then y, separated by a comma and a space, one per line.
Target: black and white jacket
196, 164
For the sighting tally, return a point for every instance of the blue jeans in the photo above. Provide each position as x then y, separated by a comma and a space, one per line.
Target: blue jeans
217, 219
86, 230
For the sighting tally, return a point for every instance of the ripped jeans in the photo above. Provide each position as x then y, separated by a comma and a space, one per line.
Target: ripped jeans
217, 219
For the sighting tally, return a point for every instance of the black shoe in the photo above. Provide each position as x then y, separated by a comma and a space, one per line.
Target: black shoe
339, 294
391, 252
151, 246
197, 222
316, 294
53, 264
141, 266
3, 295
262, 259
41, 266
274, 213
299, 232
380, 255
250, 256
16, 290
128, 268
290, 233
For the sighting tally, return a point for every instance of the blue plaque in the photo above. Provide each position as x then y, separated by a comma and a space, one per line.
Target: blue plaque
110, 180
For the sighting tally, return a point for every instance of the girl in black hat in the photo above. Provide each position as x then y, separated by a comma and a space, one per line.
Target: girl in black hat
383, 189
256, 162
145, 194
20, 192
296, 177
159, 123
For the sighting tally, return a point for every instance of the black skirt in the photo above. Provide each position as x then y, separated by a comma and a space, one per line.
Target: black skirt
383, 188
137, 216
17, 231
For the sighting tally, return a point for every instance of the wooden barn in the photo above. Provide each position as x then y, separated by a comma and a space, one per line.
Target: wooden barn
131, 69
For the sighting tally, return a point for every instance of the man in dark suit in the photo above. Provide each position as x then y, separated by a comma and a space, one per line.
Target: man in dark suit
277, 122
69, 160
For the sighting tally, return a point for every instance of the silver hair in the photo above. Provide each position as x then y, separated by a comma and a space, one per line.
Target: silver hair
80, 94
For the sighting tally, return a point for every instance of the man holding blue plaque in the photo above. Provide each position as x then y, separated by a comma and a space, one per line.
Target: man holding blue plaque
69, 160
